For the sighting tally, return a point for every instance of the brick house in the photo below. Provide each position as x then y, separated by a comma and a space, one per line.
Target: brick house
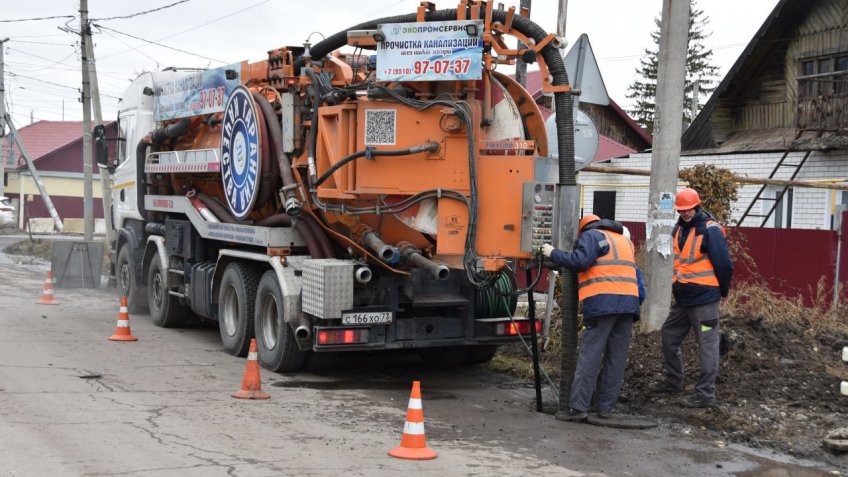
781, 112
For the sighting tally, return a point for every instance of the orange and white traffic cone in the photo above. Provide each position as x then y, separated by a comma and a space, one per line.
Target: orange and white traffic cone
47, 291
413, 442
251, 385
122, 331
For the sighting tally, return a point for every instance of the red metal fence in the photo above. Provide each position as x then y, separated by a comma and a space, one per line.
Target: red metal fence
790, 261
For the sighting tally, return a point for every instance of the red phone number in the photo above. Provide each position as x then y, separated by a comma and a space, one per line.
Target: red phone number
441, 67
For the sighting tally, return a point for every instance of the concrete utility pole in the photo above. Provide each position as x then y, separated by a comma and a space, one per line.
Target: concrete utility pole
520, 65
560, 29
88, 160
105, 180
665, 161
2, 116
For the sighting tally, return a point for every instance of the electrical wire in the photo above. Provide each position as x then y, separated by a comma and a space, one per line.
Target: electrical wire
140, 13
36, 19
550, 381
157, 44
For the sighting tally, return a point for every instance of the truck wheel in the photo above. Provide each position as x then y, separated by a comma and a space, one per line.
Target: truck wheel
125, 268
275, 341
480, 354
165, 309
443, 358
236, 302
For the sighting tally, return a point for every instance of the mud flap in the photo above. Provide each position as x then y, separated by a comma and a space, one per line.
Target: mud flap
77, 264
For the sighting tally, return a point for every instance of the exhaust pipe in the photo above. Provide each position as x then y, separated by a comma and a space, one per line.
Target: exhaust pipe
415, 259
387, 253
304, 328
362, 274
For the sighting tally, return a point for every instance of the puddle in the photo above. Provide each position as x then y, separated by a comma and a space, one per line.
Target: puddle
347, 385
784, 471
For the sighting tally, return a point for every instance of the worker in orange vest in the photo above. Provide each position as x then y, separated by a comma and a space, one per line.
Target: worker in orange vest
610, 287
702, 273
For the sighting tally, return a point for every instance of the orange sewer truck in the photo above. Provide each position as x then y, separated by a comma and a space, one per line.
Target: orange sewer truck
377, 190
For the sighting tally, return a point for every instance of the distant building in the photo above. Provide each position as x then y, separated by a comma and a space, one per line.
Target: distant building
56, 149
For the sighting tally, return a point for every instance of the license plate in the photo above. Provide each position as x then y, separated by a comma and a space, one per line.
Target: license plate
366, 317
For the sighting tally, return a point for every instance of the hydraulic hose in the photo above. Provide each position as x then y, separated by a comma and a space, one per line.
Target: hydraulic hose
368, 152
171, 131
320, 236
277, 220
292, 205
217, 208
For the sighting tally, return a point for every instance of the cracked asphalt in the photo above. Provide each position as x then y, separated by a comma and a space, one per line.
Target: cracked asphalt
73, 403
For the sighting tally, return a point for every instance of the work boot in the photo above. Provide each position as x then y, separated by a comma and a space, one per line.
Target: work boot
603, 414
573, 415
696, 402
664, 387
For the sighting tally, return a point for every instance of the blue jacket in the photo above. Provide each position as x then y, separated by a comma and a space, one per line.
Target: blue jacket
584, 256
715, 246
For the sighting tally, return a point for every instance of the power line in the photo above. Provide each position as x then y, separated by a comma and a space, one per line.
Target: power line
157, 44
139, 13
35, 19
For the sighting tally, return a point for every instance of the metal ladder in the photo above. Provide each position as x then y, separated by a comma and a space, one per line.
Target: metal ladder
759, 196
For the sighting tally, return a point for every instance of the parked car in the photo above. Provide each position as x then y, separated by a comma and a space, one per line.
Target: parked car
7, 212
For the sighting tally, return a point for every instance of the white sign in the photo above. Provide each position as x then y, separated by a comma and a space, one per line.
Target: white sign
432, 51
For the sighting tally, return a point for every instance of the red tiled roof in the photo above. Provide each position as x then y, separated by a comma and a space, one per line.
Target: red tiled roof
43, 137
609, 149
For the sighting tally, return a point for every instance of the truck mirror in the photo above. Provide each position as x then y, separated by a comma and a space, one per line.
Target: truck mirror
101, 148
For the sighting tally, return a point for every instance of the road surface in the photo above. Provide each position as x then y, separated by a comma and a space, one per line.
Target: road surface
73, 403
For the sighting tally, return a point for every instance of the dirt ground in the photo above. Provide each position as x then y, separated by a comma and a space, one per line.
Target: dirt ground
778, 385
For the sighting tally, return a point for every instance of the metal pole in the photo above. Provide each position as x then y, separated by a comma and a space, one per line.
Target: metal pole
88, 160
105, 180
560, 30
520, 65
534, 342
2, 116
665, 161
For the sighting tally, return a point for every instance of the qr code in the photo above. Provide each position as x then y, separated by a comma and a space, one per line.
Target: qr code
380, 127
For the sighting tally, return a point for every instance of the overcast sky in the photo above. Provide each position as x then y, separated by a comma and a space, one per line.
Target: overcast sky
42, 72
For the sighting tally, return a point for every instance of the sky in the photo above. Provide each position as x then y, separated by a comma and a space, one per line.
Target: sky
42, 63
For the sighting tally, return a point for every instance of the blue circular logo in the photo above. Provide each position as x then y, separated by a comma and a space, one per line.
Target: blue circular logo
240, 152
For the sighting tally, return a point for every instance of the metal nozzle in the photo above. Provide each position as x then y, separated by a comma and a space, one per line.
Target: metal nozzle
362, 274
387, 253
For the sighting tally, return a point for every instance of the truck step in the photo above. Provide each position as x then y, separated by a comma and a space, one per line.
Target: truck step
438, 299
176, 271
176, 294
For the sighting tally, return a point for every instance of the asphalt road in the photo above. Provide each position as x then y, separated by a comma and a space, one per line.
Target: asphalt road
73, 403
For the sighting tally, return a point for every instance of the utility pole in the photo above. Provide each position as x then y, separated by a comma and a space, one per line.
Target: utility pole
665, 161
560, 29
520, 65
2, 116
105, 180
88, 160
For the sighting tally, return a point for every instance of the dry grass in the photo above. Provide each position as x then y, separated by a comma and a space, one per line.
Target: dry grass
42, 249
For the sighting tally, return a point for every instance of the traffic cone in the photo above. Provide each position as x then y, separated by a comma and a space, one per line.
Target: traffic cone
122, 331
413, 443
251, 385
47, 291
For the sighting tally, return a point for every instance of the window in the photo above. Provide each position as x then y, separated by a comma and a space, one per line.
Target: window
126, 123
603, 204
815, 76
781, 216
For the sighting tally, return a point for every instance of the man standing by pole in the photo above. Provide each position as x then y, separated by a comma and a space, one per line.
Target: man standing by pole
702, 274
665, 160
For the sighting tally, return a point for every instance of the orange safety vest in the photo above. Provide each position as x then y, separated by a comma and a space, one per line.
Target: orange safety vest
614, 273
691, 265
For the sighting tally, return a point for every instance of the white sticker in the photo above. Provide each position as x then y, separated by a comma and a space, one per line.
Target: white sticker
666, 202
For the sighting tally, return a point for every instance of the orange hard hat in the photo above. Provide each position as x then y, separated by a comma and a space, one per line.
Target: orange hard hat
588, 220
686, 199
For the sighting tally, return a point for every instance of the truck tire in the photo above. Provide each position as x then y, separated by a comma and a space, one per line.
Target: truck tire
444, 357
165, 309
275, 343
480, 354
125, 268
236, 303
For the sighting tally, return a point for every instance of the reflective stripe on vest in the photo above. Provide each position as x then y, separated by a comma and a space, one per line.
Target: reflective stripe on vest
690, 264
614, 273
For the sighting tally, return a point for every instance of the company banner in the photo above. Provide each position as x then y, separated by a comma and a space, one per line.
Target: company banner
432, 51
195, 93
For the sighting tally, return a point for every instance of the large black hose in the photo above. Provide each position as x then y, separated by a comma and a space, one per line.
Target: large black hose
281, 159
217, 208
171, 131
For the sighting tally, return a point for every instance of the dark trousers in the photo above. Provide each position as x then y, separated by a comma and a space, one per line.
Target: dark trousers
703, 319
605, 341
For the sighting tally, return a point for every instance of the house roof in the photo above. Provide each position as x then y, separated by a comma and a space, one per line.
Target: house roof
767, 39
609, 149
43, 137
